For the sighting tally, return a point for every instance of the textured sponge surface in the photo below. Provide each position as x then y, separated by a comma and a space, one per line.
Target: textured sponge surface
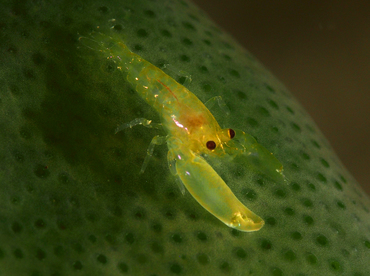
72, 201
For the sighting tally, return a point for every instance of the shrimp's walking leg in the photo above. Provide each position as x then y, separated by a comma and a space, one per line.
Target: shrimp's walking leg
211, 102
186, 76
138, 121
208, 188
171, 158
256, 155
157, 140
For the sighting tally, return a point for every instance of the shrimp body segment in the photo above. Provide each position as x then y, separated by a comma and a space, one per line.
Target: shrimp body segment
193, 132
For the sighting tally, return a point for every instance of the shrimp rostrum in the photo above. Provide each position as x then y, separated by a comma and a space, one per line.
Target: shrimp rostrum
192, 132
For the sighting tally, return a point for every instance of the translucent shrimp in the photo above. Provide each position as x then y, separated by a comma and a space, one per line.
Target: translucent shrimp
192, 132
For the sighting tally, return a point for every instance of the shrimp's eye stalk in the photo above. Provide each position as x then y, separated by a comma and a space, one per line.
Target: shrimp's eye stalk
211, 145
231, 133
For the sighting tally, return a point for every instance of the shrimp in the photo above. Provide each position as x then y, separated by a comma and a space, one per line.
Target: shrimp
192, 133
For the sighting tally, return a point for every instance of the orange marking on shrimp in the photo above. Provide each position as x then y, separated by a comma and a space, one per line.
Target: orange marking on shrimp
169, 90
193, 121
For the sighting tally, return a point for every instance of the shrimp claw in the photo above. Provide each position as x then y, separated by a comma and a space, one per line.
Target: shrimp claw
209, 189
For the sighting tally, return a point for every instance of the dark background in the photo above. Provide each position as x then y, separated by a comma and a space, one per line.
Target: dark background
321, 51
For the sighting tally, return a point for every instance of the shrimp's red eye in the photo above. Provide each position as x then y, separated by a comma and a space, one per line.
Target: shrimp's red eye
211, 145
231, 133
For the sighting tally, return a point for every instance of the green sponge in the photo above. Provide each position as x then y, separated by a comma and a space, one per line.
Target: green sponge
72, 201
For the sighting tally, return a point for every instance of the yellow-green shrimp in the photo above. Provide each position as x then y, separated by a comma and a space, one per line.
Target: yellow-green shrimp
192, 132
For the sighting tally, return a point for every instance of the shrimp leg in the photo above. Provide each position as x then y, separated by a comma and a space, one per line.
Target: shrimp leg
138, 121
255, 155
211, 102
157, 140
171, 158
209, 189
186, 76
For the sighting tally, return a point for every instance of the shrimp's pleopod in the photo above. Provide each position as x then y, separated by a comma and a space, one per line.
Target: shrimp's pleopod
192, 132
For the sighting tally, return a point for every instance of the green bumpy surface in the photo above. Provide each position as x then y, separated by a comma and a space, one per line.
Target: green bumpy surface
72, 201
